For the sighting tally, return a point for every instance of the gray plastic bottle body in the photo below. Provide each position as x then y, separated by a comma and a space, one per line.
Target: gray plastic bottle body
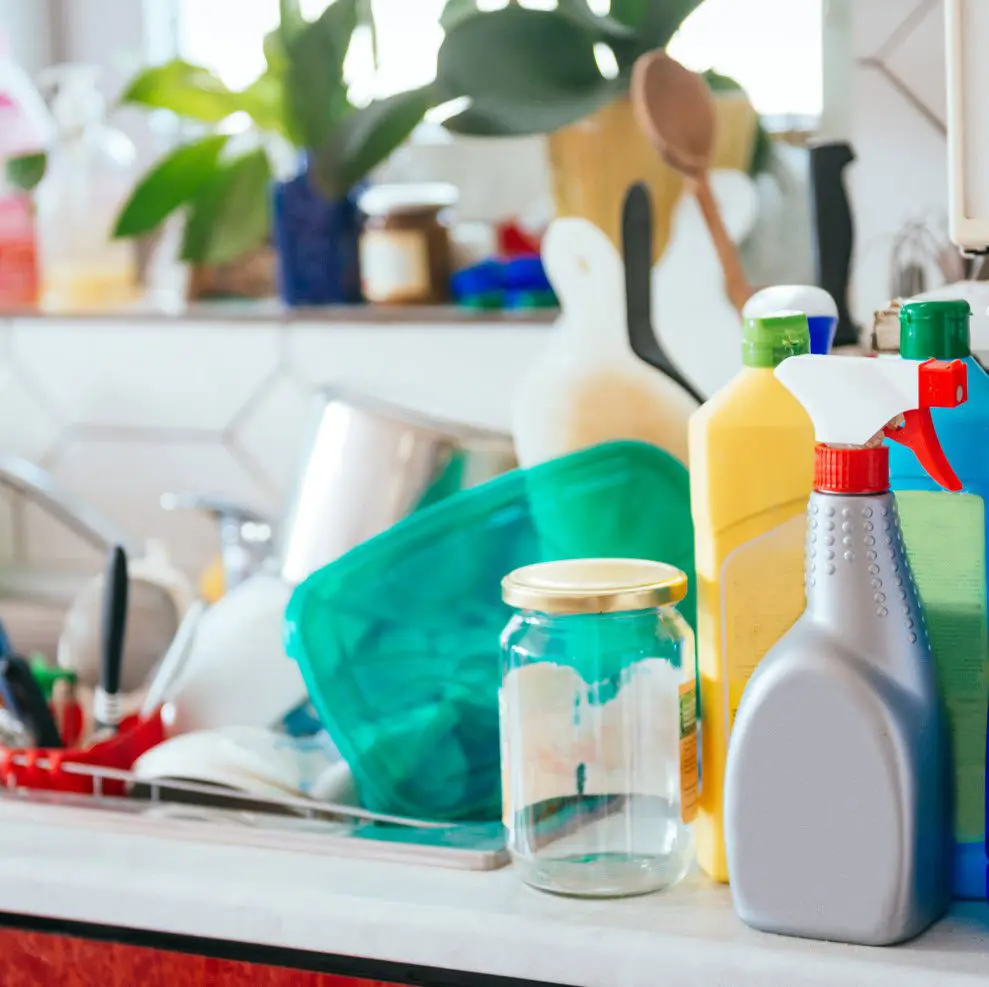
837, 791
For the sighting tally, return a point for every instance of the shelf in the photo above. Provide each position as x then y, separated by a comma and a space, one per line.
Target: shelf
269, 311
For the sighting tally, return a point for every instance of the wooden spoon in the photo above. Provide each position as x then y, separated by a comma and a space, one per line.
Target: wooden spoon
675, 109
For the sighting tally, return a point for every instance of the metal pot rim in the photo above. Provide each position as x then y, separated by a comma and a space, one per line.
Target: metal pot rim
380, 407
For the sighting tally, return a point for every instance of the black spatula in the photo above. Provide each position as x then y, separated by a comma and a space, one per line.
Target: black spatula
637, 254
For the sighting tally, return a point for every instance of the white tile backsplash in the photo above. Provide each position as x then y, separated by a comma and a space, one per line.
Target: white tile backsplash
185, 375
125, 478
9, 542
46, 542
121, 411
272, 431
919, 60
28, 428
900, 173
456, 371
878, 21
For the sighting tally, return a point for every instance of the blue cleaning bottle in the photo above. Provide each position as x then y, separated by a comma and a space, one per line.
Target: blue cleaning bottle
946, 541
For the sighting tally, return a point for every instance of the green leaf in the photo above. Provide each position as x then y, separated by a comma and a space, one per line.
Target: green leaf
474, 122
655, 21
663, 19
494, 119
604, 28
719, 83
631, 12
316, 95
229, 215
366, 138
457, 10
186, 89
26, 171
264, 100
195, 92
274, 52
526, 71
290, 19
170, 184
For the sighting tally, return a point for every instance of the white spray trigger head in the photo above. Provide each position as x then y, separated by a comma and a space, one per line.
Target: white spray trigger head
850, 399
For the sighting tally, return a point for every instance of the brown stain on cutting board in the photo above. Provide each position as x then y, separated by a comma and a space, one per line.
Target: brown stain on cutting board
612, 405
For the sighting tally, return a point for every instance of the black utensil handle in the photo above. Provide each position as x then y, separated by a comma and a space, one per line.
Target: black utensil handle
637, 243
835, 230
31, 707
114, 620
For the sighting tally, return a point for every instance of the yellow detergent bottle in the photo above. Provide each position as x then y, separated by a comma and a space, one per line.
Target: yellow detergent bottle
752, 468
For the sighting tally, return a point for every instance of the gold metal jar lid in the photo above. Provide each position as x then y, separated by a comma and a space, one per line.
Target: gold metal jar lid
584, 586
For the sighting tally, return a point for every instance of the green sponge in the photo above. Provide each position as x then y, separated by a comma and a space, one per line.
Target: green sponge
945, 541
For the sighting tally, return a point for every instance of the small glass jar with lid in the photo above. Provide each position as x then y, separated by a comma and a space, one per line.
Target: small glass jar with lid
598, 707
405, 249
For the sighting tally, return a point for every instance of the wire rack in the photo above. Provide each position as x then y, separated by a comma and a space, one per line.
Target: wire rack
188, 810
209, 796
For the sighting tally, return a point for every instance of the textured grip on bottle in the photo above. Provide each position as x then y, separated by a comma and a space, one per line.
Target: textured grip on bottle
851, 470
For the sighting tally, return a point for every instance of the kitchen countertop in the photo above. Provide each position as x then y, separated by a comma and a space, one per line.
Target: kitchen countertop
476, 922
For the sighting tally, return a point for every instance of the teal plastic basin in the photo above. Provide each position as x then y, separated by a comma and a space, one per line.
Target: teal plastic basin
398, 641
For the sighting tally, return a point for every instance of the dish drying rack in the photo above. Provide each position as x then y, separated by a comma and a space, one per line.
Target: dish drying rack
180, 809
101, 775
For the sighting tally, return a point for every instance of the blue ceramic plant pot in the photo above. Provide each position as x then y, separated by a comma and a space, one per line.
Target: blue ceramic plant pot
317, 244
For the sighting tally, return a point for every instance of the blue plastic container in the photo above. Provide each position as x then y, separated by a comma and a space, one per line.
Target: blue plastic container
520, 282
317, 244
481, 279
940, 530
525, 274
822, 330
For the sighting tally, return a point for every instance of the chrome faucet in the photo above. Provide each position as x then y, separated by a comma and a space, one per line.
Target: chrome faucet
246, 537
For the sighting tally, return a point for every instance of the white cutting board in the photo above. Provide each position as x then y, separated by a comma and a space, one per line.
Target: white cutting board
698, 326
587, 386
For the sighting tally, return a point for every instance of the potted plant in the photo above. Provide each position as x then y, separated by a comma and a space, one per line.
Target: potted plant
565, 72
227, 186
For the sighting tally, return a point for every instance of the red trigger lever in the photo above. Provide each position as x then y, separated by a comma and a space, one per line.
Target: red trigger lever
941, 384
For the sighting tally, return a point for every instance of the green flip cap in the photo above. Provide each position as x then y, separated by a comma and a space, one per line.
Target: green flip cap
936, 330
769, 340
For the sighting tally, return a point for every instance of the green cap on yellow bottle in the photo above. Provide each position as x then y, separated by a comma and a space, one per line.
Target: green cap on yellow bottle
935, 330
767, 341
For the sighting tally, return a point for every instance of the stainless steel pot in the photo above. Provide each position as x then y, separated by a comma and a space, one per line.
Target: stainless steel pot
369, 465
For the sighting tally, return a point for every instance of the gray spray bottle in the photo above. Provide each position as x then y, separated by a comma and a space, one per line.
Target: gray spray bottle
838, 783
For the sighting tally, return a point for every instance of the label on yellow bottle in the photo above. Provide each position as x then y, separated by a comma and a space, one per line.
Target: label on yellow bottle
688, 751
762, 586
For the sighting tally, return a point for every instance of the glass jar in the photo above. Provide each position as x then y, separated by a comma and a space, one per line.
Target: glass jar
405, 246
598, 726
